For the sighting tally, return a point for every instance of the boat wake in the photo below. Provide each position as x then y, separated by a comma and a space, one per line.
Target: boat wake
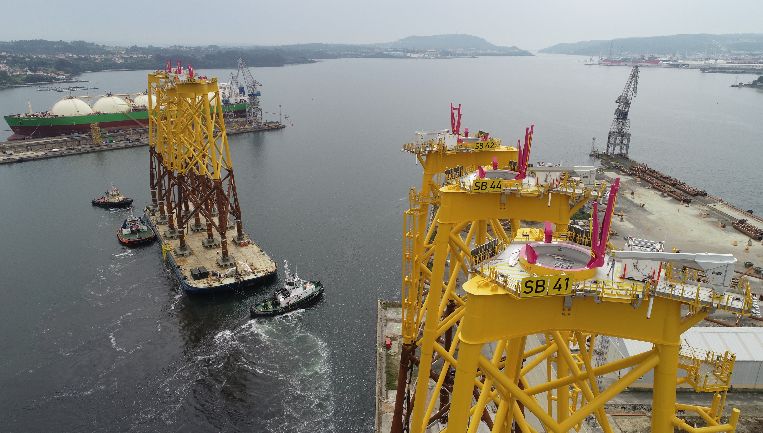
280, 350
265, 375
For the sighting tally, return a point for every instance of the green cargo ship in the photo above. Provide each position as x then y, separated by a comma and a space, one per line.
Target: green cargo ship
73, 115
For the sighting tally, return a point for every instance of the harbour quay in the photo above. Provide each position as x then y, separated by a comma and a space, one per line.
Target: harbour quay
15, 151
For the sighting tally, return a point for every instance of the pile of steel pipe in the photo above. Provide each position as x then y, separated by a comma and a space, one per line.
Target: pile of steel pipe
750, 230
643, 170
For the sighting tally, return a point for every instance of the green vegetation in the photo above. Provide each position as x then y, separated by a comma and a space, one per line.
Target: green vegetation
38, 47
31, 61
72, 65
756, 83
391, 370
7, 80
666, 45
455, 44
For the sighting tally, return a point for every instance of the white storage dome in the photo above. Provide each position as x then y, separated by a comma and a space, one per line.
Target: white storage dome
71, 107
141, 101
111, 104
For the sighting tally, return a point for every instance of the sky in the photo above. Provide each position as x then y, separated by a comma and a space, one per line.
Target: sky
528, 24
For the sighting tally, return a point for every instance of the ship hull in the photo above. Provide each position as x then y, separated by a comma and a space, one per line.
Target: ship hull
21, 132
136, 241
127, 202
255, 311
24, 126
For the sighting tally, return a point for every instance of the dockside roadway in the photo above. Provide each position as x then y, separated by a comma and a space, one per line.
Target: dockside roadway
54, 147
701, 226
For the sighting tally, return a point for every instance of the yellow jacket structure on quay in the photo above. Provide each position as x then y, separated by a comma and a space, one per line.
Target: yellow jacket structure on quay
505, 312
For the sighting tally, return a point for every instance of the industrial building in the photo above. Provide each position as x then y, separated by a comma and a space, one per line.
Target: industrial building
745, 342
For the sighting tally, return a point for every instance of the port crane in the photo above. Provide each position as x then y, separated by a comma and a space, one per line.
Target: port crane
243, 87
619, 138
504, 323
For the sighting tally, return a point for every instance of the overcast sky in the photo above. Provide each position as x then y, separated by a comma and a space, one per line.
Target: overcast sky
529, 24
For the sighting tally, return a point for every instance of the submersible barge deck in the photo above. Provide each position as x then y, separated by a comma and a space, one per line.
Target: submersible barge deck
198, 269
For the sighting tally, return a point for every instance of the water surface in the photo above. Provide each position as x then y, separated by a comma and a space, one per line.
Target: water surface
96, 337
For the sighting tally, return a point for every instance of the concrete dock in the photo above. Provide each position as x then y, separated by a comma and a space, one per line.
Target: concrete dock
388, 325
54, 147
701, 226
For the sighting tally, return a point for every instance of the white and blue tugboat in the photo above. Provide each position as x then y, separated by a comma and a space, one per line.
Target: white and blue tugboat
294, 294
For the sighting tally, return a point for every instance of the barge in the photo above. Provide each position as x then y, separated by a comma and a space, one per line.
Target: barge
197, 268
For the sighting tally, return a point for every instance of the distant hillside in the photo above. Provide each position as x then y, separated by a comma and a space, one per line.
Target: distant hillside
444, 46
453, 42
24, 62
43, 47
77, 56
741, 43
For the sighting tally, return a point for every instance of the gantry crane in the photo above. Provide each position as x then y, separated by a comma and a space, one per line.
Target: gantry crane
243, 87
500, 325
619, 138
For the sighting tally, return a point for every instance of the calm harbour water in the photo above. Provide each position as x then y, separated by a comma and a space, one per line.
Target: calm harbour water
96, 337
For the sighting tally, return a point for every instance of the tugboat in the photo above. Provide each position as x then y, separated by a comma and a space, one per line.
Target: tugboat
294, 294
112, 199
134, 232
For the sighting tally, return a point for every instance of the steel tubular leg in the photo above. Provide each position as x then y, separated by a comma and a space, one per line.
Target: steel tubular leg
430, 327
479, 408
664, 397
512, 369
468, 359
592, 391
515, 225
481, 232
563, 392
405, 365
665, 373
